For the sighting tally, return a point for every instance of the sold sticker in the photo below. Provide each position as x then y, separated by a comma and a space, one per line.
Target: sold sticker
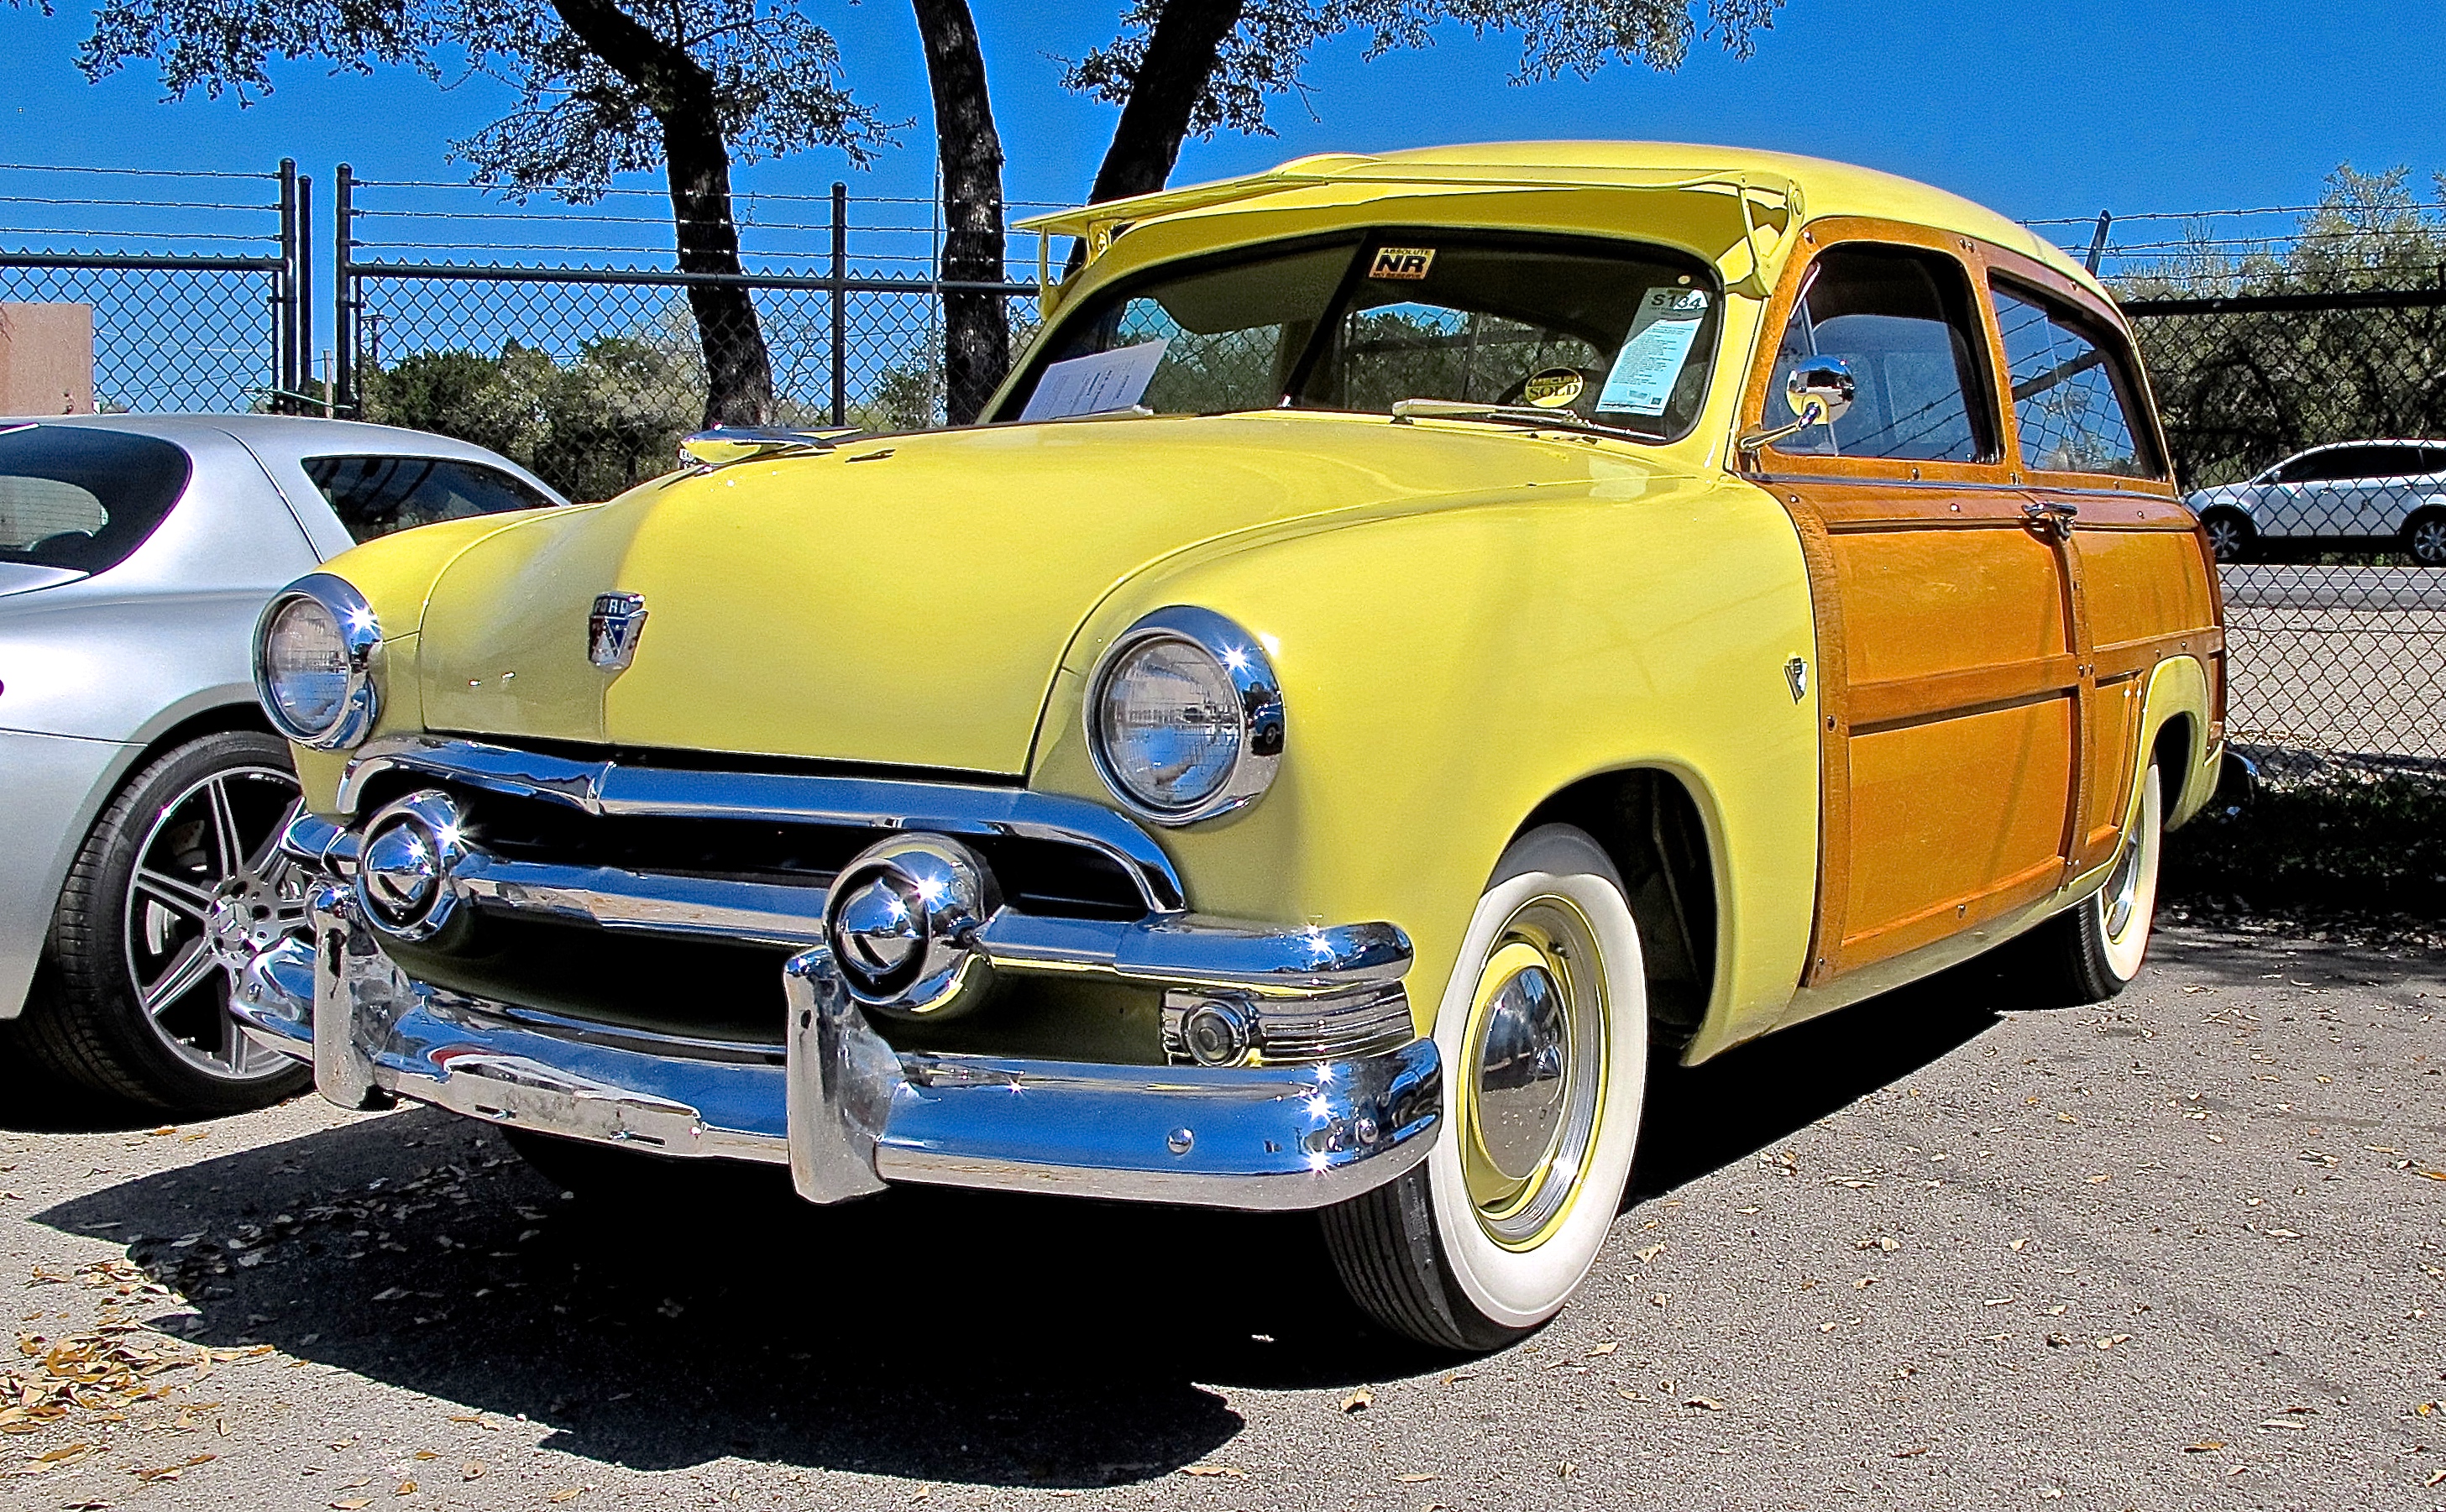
1555, 388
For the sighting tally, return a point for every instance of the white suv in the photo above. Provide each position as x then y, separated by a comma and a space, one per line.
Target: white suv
2390, 494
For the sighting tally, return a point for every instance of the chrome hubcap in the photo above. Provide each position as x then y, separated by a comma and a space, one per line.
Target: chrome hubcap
1522, 1054
2429, 543
1534, 1079
211, 889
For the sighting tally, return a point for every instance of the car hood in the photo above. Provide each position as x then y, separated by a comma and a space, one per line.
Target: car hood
2235, 493
904, 600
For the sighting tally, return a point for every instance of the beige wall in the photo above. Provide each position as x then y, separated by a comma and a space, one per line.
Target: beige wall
45, 358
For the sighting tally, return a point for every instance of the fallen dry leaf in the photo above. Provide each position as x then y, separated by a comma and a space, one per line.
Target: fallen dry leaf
1232, 1470
350, 1503
1644, 1255
1359, 1401
2204, 1446
472, 1470
1913, 1452
405, 1489
1705, 1404
1602, 1349
1413, 1479
2435, 1478
567, 1494
2109, 1341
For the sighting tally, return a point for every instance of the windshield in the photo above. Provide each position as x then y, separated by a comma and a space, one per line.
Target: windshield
1615, 332
83, 500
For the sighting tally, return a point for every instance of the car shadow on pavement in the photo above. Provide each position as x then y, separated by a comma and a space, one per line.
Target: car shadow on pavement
932, 1335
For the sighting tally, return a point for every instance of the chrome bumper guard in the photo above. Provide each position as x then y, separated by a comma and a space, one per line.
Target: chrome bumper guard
844, 1109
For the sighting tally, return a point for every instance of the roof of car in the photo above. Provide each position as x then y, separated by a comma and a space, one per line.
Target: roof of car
1820, 187
294, 436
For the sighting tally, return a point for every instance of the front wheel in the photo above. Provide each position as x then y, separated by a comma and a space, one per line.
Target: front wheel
181, 882
1543, 1031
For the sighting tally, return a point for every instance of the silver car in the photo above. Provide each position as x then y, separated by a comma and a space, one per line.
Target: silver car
2366, 494
141, 788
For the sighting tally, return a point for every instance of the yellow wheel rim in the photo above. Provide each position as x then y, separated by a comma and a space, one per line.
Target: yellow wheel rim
1533, 1072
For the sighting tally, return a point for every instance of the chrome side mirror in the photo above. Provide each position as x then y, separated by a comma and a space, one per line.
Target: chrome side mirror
1820, 392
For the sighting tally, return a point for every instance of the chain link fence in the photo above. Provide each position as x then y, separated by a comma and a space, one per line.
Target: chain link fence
190, 282
2300, 362
2310, 431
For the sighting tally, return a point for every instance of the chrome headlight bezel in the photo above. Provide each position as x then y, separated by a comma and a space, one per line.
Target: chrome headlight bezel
1242, 659
361, 646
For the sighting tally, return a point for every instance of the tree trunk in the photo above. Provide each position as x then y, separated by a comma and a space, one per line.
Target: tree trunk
976, 325
680, 92
1181, 58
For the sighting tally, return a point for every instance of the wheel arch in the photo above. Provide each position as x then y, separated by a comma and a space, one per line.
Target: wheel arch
1651, 824
2175, 733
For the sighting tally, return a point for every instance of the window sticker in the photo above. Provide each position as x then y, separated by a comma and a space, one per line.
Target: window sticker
1401, 262
1644, 372
1555, 388
1097, 384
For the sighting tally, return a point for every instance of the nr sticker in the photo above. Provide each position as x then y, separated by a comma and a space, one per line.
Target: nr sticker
1401, 262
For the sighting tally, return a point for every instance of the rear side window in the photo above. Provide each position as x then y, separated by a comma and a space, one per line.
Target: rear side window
1902, 322
376, 496
2068, 393
81, 499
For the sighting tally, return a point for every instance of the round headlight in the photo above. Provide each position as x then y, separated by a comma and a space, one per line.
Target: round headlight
1185, 717
313, 663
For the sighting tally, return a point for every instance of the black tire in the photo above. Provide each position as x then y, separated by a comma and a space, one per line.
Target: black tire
2084, 955
2424, 536
87, 1020
2231, 536
1424, 1256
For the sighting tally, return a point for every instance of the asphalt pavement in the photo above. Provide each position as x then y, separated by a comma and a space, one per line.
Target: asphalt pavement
1943, 1250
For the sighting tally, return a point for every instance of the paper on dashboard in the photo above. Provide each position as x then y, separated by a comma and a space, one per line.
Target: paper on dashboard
1649, 363
1095, 384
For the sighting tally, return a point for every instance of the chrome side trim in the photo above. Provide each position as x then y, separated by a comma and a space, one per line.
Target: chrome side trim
608, 788
842, 1110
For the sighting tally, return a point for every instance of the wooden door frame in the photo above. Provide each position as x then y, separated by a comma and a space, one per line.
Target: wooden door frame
2073, 672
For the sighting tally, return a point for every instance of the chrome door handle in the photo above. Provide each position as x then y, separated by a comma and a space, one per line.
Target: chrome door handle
2051, 518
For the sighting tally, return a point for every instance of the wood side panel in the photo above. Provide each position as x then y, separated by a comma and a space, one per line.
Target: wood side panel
1959, 813
1922, 602
2144, 585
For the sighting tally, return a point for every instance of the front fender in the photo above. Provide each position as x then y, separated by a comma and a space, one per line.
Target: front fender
1447, 668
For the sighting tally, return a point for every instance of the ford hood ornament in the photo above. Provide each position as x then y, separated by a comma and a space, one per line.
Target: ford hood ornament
612, 630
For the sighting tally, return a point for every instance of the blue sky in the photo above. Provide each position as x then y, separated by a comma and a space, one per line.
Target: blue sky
2038, 109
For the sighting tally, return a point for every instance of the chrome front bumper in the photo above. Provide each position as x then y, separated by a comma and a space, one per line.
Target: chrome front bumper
844, 1109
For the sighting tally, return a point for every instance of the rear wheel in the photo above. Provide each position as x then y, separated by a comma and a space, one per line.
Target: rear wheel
181, 882
2093, 952
2231, 536
2425, 538
1543, 1032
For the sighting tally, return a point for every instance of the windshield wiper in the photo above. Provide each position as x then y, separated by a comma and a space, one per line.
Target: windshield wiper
1527, 415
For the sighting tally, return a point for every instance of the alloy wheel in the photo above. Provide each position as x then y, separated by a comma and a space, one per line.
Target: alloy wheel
210, 889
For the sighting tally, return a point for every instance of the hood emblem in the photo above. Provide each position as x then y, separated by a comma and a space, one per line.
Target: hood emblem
612, 630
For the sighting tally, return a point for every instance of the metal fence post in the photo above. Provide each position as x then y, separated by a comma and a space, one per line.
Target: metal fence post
305, 294
840, 301
284, 292
2098, 242
344, 301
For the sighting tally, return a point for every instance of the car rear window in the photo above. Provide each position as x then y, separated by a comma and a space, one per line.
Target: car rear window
376, 496
81, 498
